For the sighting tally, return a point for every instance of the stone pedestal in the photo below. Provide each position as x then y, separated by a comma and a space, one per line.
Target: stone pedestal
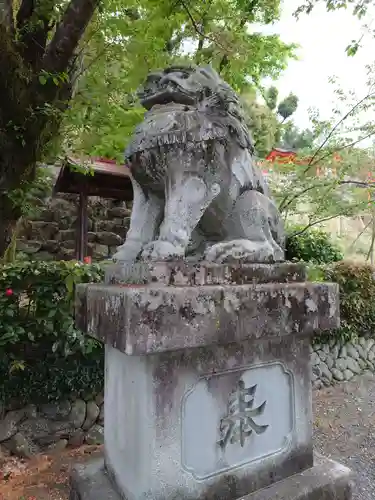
208, 383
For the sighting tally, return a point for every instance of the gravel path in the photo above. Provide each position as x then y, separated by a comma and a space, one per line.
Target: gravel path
344, 429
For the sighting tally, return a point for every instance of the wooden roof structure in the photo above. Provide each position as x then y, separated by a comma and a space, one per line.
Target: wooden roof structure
95, 177
92, 177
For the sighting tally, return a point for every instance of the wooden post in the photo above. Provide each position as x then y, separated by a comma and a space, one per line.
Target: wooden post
81, 242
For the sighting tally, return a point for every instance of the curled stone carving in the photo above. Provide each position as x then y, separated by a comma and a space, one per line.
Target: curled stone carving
197, 190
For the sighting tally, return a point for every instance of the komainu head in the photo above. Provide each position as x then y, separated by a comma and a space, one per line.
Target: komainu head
200, 88
188, 85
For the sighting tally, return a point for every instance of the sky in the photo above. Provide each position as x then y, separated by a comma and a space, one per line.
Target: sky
322, 37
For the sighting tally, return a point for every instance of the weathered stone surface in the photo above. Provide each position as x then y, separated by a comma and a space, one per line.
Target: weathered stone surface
44, 256
108, 238
119, 212
77, 415
171, 386
66, 235
9, 424
326, 373
341, 364
348, 374
68, 244
99, 251
57, 447
322, 355
362, 363
92, 413
99, 398
189, 274
76, 438
335, 351
353, 366
352, 351
22, 446
95, 435
343, 352
50, 246
91, 482
101, 416
361, 351
44, 431
327, 480
106, 225
44, 230
337, 374
315, 359
231, 208
28, 247
330, 361
140, 320
56, 411
91, 237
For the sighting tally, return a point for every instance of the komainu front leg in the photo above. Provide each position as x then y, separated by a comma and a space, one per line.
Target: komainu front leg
255, 232
186, 201
144, 222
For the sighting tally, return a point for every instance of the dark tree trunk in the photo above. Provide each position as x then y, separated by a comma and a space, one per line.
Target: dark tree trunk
9, 216
33, 57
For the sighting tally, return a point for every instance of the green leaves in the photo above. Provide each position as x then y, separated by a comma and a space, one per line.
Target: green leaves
37, 332
124, 43
312, 245
40, 305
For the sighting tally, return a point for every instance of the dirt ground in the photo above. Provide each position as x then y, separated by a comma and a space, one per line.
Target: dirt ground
344, 430
44, 478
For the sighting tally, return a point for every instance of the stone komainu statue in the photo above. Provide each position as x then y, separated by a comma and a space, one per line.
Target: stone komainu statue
197, 191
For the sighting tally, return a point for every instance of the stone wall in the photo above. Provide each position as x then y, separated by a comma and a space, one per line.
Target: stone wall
337, 361
52, 234
51, 427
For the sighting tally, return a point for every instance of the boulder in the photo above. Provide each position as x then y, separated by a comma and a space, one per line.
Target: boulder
56, 411
92, 413
77, 414
21, 446
109, 238
9, 424
95, 435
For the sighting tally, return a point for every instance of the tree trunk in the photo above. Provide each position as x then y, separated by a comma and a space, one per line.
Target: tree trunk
37, 58
9, 215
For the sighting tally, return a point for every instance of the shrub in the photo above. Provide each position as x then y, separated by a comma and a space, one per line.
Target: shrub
312, 245
41, 350
357, 295
36, 302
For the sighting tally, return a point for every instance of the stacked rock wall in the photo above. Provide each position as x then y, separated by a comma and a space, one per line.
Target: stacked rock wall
52, 234
52, 426
339, 361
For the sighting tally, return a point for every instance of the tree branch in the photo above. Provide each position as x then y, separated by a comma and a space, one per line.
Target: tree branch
68, 34
33, 25
311, 224
284, 204
352, 109
197, 28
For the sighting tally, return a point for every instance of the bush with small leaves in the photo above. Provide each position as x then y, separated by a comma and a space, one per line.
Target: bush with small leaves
42, 353
311, 245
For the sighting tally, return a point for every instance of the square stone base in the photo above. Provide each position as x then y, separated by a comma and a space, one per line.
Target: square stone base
327, 480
